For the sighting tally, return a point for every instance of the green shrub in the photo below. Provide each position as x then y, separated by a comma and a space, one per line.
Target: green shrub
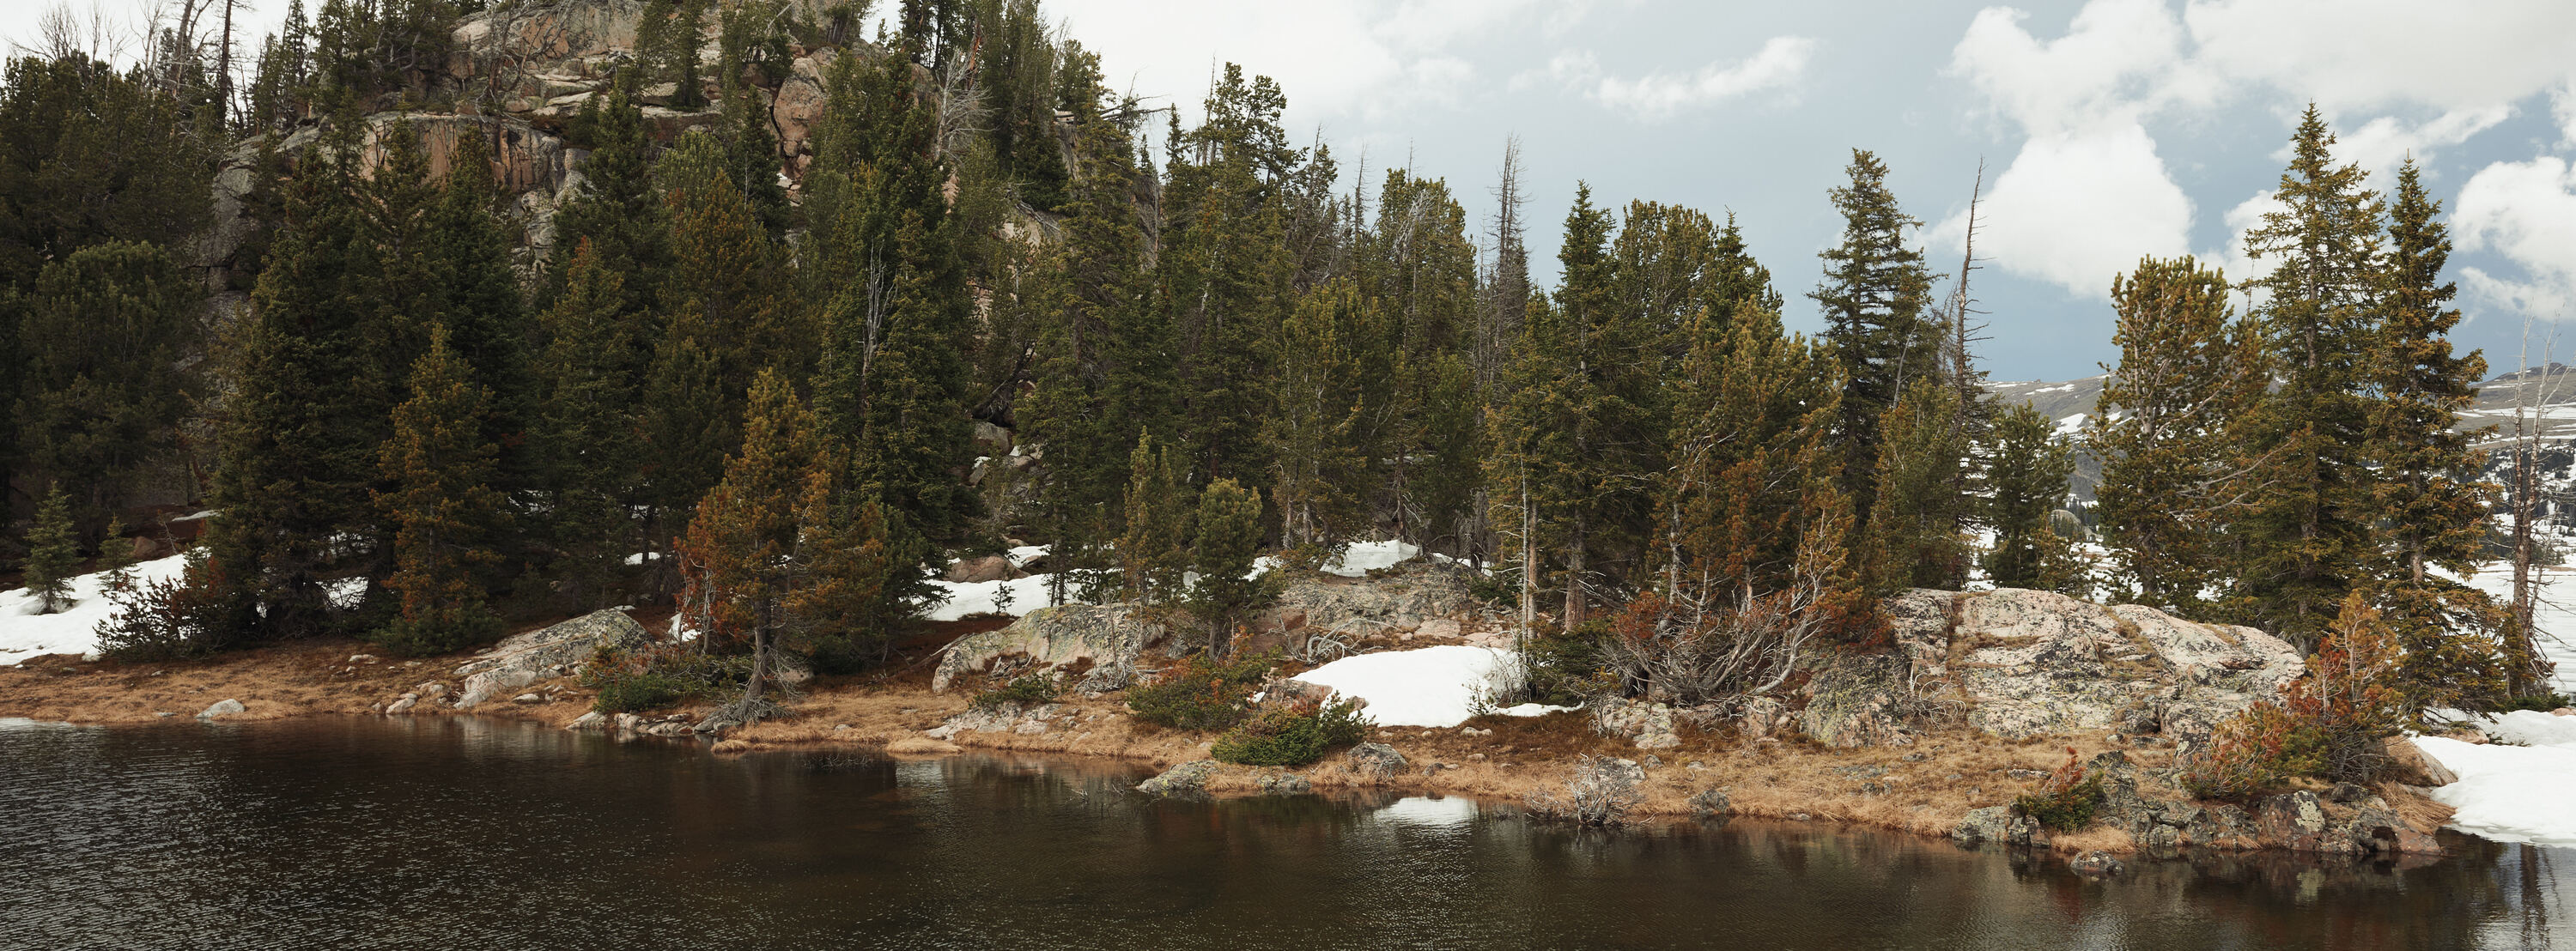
2065, 801
2543, 702
1293, 735
647, 680
842, 654
1200, 694
1030, 689
163, 620
1567, 667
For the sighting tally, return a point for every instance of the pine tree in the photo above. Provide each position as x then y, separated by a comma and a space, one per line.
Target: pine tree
53, 553
1916, 537
2168, 428
615, 210
443, 506
1874, 297
588, 432
2428, 506
1228, 535
688, 429
1318, 409
1752, 468
2307, 544
1153, 552
1225, 269
2026, 483
738, 556
101, 391
297, 452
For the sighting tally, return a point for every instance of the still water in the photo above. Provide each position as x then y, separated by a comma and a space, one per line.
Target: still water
459, 833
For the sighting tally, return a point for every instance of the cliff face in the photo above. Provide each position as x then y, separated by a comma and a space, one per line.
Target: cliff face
516, 76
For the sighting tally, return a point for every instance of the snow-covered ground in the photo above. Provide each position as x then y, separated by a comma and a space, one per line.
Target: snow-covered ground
2521, 788
965, 599
1428, 686
25, 633
2554, 618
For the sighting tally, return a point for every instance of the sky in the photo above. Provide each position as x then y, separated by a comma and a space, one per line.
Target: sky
2107, 130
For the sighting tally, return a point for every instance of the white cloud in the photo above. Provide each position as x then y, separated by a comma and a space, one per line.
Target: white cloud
2118, 59
1779, 63
2247, 215
2361, 54
2524, 212
2075, 209
1334, 58
2382, 143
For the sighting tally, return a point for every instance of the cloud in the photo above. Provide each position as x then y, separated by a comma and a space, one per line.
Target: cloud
2382, 143
2363, 54
1334, 58
2075, 209
2524, 212
1779, 63
2118, 60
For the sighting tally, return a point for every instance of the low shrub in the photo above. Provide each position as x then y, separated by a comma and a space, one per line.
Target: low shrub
1200, 693
1292, 735
2543, 702
1029, 689
2066, 800
164, 620
842, 654
2327, 725
1599, 793
637, 681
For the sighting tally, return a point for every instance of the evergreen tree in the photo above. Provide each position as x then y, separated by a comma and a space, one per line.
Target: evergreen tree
2427, 505
2027, 484
1752, 468
2307, 543
53, 553
2168, 427
1916, 538
89, 154
1153, 552
1225, 270
100, 390
614, 210
1319, 406
297, 452
444, 509
588, 432
1228, 535
739, 554
1874, 297
688, 429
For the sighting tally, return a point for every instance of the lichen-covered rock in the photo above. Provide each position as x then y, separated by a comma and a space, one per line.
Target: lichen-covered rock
2096, 863
1374, 760
1710, 803
1064, 637
1186, 779
1859, 700
2038, 663
1403, 597
222, 708
1282, 783
1648, 725
539, 654
1998, 824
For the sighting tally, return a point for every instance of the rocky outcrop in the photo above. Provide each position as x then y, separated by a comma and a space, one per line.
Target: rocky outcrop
1070, 640
222, 708
546, 652
2350, 821
1374, 760
1648, 725
2022, 664
1187, 779
1404, 597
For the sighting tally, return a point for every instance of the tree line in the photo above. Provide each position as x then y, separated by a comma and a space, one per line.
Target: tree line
999, 308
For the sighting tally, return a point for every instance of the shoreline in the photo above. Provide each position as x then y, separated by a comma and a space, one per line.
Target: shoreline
1926, 788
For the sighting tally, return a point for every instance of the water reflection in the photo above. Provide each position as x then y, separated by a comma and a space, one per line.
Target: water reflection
442, 831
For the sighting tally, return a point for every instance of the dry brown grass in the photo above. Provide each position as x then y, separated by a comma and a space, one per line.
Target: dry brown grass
287, 680
1953, 770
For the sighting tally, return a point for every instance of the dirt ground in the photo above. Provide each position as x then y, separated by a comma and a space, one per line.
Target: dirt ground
1924, 788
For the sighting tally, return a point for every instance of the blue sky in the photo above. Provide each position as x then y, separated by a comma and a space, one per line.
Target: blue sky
2109, 129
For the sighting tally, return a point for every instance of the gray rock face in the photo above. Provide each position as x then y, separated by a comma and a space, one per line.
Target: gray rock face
2096, 863
1183, 780
594, 720
1374, 760
1710, 803
1283, 784
536, 655
1998, 824
1648, 725
1405, 597
1061, 638
2021, 664
222, 708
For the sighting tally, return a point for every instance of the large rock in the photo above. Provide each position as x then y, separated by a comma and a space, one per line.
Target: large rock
1186, 779
2022, 664
222, 708
1403, 597
1072, 638
2408, 763
1374, 760
546, 652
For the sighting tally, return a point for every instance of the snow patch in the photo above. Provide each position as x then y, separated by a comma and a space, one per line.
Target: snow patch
1430, 686
25, 633
2513, 793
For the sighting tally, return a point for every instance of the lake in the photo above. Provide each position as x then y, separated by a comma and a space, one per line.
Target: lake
467, 833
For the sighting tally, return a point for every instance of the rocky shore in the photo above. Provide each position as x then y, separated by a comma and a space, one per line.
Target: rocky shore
1980, 697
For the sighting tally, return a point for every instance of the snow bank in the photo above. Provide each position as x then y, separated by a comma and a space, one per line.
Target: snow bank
2513, 793
25, 633
1431, 686
959, 600
1360, 558
2554, 617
